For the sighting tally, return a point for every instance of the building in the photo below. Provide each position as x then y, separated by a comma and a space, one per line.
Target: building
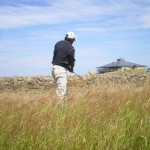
120, 64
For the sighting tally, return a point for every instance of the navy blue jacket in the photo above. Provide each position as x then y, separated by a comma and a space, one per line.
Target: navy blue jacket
64, 53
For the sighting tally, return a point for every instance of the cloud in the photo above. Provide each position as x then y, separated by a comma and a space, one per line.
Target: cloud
54, 13
15, 16
24, 15
27, 61
90, 29
2, 58
24, 2
109, 13
145, 20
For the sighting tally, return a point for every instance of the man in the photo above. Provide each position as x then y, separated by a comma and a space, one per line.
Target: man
63, 60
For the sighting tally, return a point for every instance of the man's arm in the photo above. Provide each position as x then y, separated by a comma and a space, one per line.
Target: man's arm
70, 66
71, 61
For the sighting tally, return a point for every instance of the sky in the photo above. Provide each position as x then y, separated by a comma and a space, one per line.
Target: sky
105, 31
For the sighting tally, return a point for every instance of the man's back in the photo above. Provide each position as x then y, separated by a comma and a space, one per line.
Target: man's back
63, 53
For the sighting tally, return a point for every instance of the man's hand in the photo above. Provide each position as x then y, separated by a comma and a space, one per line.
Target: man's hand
70, 68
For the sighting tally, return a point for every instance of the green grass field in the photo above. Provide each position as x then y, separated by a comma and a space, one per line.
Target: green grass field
98, 117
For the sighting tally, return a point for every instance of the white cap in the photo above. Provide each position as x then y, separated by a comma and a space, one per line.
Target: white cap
70, 35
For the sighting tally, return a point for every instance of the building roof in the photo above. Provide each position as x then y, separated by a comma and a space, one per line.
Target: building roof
121, 63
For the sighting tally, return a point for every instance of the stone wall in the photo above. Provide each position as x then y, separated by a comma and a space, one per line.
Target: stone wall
123, 79
47, 82
35, 82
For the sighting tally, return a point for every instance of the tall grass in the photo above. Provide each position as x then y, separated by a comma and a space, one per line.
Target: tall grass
98, 117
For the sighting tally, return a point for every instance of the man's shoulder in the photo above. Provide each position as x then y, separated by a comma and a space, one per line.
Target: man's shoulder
62, 41
64, 45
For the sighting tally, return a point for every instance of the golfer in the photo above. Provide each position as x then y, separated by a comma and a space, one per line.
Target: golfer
63, 60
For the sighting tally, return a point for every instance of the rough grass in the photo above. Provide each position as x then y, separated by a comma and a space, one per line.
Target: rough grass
97, 117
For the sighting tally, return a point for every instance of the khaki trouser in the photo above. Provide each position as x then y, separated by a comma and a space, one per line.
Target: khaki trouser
60, 76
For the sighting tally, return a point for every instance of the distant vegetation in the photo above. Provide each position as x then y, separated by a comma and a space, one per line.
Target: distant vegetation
110, 116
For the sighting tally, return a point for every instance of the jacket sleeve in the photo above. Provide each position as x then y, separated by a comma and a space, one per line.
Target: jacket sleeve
71, 56
71, 62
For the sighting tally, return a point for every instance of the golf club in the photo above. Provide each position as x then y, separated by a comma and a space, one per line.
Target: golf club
77, 75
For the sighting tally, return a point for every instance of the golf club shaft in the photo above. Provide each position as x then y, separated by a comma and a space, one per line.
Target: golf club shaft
77, 75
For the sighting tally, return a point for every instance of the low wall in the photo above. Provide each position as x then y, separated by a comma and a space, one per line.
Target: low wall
47, 82
35, 82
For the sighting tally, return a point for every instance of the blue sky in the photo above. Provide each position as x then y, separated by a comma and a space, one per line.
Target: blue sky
105, 31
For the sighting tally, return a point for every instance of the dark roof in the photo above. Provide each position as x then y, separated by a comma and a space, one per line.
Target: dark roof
121, 63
